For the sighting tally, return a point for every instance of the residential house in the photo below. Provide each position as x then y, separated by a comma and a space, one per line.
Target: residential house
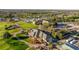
44, 35
15, 19
27, 20
38, 22
71, 44
59, 25
2, 19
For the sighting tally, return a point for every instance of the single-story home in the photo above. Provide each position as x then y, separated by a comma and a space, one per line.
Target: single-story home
15, 19
2, 19
71, 44
59, 25
44, 35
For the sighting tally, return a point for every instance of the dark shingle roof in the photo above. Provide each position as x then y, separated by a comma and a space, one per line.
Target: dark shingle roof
72, 45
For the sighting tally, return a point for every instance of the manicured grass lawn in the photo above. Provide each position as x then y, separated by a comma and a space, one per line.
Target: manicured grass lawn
27, 25
4, 46
14, 44
2, 27
24, 25
2, 41
17, 45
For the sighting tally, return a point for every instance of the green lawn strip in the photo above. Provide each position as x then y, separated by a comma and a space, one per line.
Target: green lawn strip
26, 25
2, 27
11, 44
27, 39
14, 30
4, 46
16, 45
2, 41
19, 46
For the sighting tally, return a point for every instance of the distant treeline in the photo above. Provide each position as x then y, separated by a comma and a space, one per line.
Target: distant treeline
50, 15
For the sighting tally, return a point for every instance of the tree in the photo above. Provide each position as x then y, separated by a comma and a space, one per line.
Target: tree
7, 35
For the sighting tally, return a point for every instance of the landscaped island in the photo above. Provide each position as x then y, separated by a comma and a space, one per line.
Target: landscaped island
39, 30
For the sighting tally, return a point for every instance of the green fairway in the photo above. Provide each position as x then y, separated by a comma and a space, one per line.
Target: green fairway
26, 25
12, 44
2, 27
